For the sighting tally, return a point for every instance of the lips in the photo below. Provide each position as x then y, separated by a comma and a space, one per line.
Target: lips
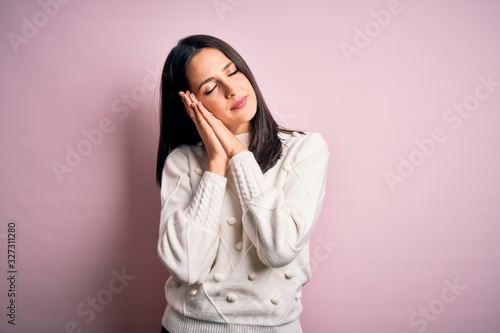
240, 104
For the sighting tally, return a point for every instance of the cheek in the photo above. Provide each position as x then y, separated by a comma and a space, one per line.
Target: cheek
214, 105
249, 88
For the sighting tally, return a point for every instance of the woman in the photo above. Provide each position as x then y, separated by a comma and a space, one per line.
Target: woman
240, 197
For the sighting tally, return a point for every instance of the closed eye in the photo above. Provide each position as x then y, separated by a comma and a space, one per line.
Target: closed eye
210, 91
230, 74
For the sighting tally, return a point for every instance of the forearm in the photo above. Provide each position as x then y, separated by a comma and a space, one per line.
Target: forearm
189, 227
279, 217
218, 166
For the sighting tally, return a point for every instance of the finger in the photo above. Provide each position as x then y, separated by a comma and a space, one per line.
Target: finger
192, 102
191, 97
209, 138
202, 123
226, 138
192, 113
182, 95
199, 112
200, 117
205, 117
206, 132
184, 100
208, 121
208, 116
188, 105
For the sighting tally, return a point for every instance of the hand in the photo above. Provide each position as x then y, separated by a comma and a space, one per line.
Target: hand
216, 153
229, 142
212, 131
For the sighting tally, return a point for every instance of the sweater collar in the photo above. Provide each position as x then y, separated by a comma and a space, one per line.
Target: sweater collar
244, 138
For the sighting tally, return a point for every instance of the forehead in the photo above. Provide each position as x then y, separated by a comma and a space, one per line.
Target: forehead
207, 62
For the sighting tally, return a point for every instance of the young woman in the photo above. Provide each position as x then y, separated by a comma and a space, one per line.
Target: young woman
240, 197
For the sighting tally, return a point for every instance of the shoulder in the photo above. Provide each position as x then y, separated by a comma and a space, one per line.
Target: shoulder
298, 143
183, 156
185, 151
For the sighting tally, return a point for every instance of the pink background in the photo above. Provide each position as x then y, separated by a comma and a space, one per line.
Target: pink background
384, 257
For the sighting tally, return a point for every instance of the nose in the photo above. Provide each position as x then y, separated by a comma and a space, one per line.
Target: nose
231, 91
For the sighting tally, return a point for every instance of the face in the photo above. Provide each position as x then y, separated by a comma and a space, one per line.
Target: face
223, 89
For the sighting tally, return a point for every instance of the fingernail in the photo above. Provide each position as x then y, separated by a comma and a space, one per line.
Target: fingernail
199, 102
192, 95
180, 94
188, 92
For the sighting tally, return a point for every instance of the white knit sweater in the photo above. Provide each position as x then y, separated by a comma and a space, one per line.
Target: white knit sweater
237, 247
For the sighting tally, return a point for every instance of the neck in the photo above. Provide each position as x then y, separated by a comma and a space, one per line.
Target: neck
244, 138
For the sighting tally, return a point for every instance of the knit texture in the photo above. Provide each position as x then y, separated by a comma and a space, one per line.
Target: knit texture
209, 194
237, 246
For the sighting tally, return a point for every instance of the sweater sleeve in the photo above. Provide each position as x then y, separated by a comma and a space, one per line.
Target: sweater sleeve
189, 219
279, 221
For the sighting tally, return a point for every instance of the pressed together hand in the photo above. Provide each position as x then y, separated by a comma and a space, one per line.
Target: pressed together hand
219, 142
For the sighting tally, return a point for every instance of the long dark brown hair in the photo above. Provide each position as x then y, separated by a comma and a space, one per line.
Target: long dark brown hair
176, 128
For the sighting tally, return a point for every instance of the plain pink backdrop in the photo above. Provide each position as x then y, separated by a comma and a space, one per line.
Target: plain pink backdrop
373, 77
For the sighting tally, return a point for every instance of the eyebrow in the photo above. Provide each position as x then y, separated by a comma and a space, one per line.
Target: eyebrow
211, 78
